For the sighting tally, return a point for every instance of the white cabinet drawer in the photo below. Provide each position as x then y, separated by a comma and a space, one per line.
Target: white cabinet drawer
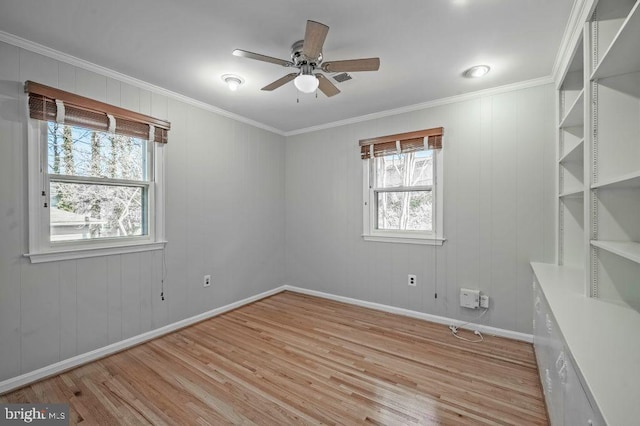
567, 401
577, 408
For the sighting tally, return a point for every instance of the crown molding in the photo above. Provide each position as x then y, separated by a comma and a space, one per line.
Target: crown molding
90, 66
580, 13
425, 105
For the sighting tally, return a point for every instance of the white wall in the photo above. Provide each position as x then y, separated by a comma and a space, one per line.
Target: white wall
498, 194
224, 215
239, 199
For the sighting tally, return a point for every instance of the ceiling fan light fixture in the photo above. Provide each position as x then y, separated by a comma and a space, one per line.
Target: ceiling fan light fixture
233, 81
306, 83
477, 71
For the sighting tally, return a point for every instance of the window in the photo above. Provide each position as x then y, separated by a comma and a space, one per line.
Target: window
99, 184
401, 176
96, 180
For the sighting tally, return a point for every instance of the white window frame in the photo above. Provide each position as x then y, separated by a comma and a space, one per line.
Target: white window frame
370, 233
41, 249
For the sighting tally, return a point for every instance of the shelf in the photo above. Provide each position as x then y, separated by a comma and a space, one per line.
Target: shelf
631, 180
574, 155
575, 114
623, 55
627, 249
572, 193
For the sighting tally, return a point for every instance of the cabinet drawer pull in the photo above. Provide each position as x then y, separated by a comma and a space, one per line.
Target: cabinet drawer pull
547, 379
563, 374
560, 362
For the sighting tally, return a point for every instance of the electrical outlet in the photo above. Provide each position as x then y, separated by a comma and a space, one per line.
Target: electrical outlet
484, 301
411, 280
207, 281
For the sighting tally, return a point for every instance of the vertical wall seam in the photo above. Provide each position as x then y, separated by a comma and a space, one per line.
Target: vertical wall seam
22, 263
76, 303
517, 207
59, 314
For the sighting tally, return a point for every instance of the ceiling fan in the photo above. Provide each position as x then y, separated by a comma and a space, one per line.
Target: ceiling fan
306, 56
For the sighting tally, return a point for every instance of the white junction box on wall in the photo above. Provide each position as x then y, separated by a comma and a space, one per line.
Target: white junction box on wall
469, 298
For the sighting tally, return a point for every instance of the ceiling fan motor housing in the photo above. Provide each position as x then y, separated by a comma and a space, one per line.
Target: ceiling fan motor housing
299, 58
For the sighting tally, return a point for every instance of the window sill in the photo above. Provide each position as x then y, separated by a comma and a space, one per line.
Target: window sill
431, 241
54, 256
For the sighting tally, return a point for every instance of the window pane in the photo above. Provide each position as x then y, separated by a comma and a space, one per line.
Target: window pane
411, 169
405, 211
76, 151
86, 211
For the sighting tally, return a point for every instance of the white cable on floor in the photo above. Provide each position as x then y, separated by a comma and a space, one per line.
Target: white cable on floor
476, 332
454, 330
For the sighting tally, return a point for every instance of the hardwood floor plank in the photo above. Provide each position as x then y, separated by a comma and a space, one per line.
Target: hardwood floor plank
298, 359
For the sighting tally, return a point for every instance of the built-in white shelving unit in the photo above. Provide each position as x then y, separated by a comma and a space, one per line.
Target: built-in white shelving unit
598, 205
614, 192
571, 162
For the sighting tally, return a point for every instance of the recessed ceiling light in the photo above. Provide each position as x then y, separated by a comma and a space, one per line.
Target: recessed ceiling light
477, 71
233, 81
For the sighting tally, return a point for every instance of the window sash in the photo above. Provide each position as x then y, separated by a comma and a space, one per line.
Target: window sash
145, 185
97, 181
403, 188
373, 198
40, 247
145, 220
428, 237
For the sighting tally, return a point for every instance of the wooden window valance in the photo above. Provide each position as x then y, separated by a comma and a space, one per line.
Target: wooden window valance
402, 143
84, 112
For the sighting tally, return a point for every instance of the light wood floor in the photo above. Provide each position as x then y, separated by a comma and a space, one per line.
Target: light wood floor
297, 359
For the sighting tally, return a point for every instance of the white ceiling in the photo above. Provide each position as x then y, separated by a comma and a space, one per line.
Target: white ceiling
185, 46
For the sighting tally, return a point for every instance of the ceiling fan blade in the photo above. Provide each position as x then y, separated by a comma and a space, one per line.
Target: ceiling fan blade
263, 58
280, 82
352, 65
327, 87
314, 38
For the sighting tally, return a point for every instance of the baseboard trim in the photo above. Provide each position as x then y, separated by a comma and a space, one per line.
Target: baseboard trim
415, 314
70, 363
